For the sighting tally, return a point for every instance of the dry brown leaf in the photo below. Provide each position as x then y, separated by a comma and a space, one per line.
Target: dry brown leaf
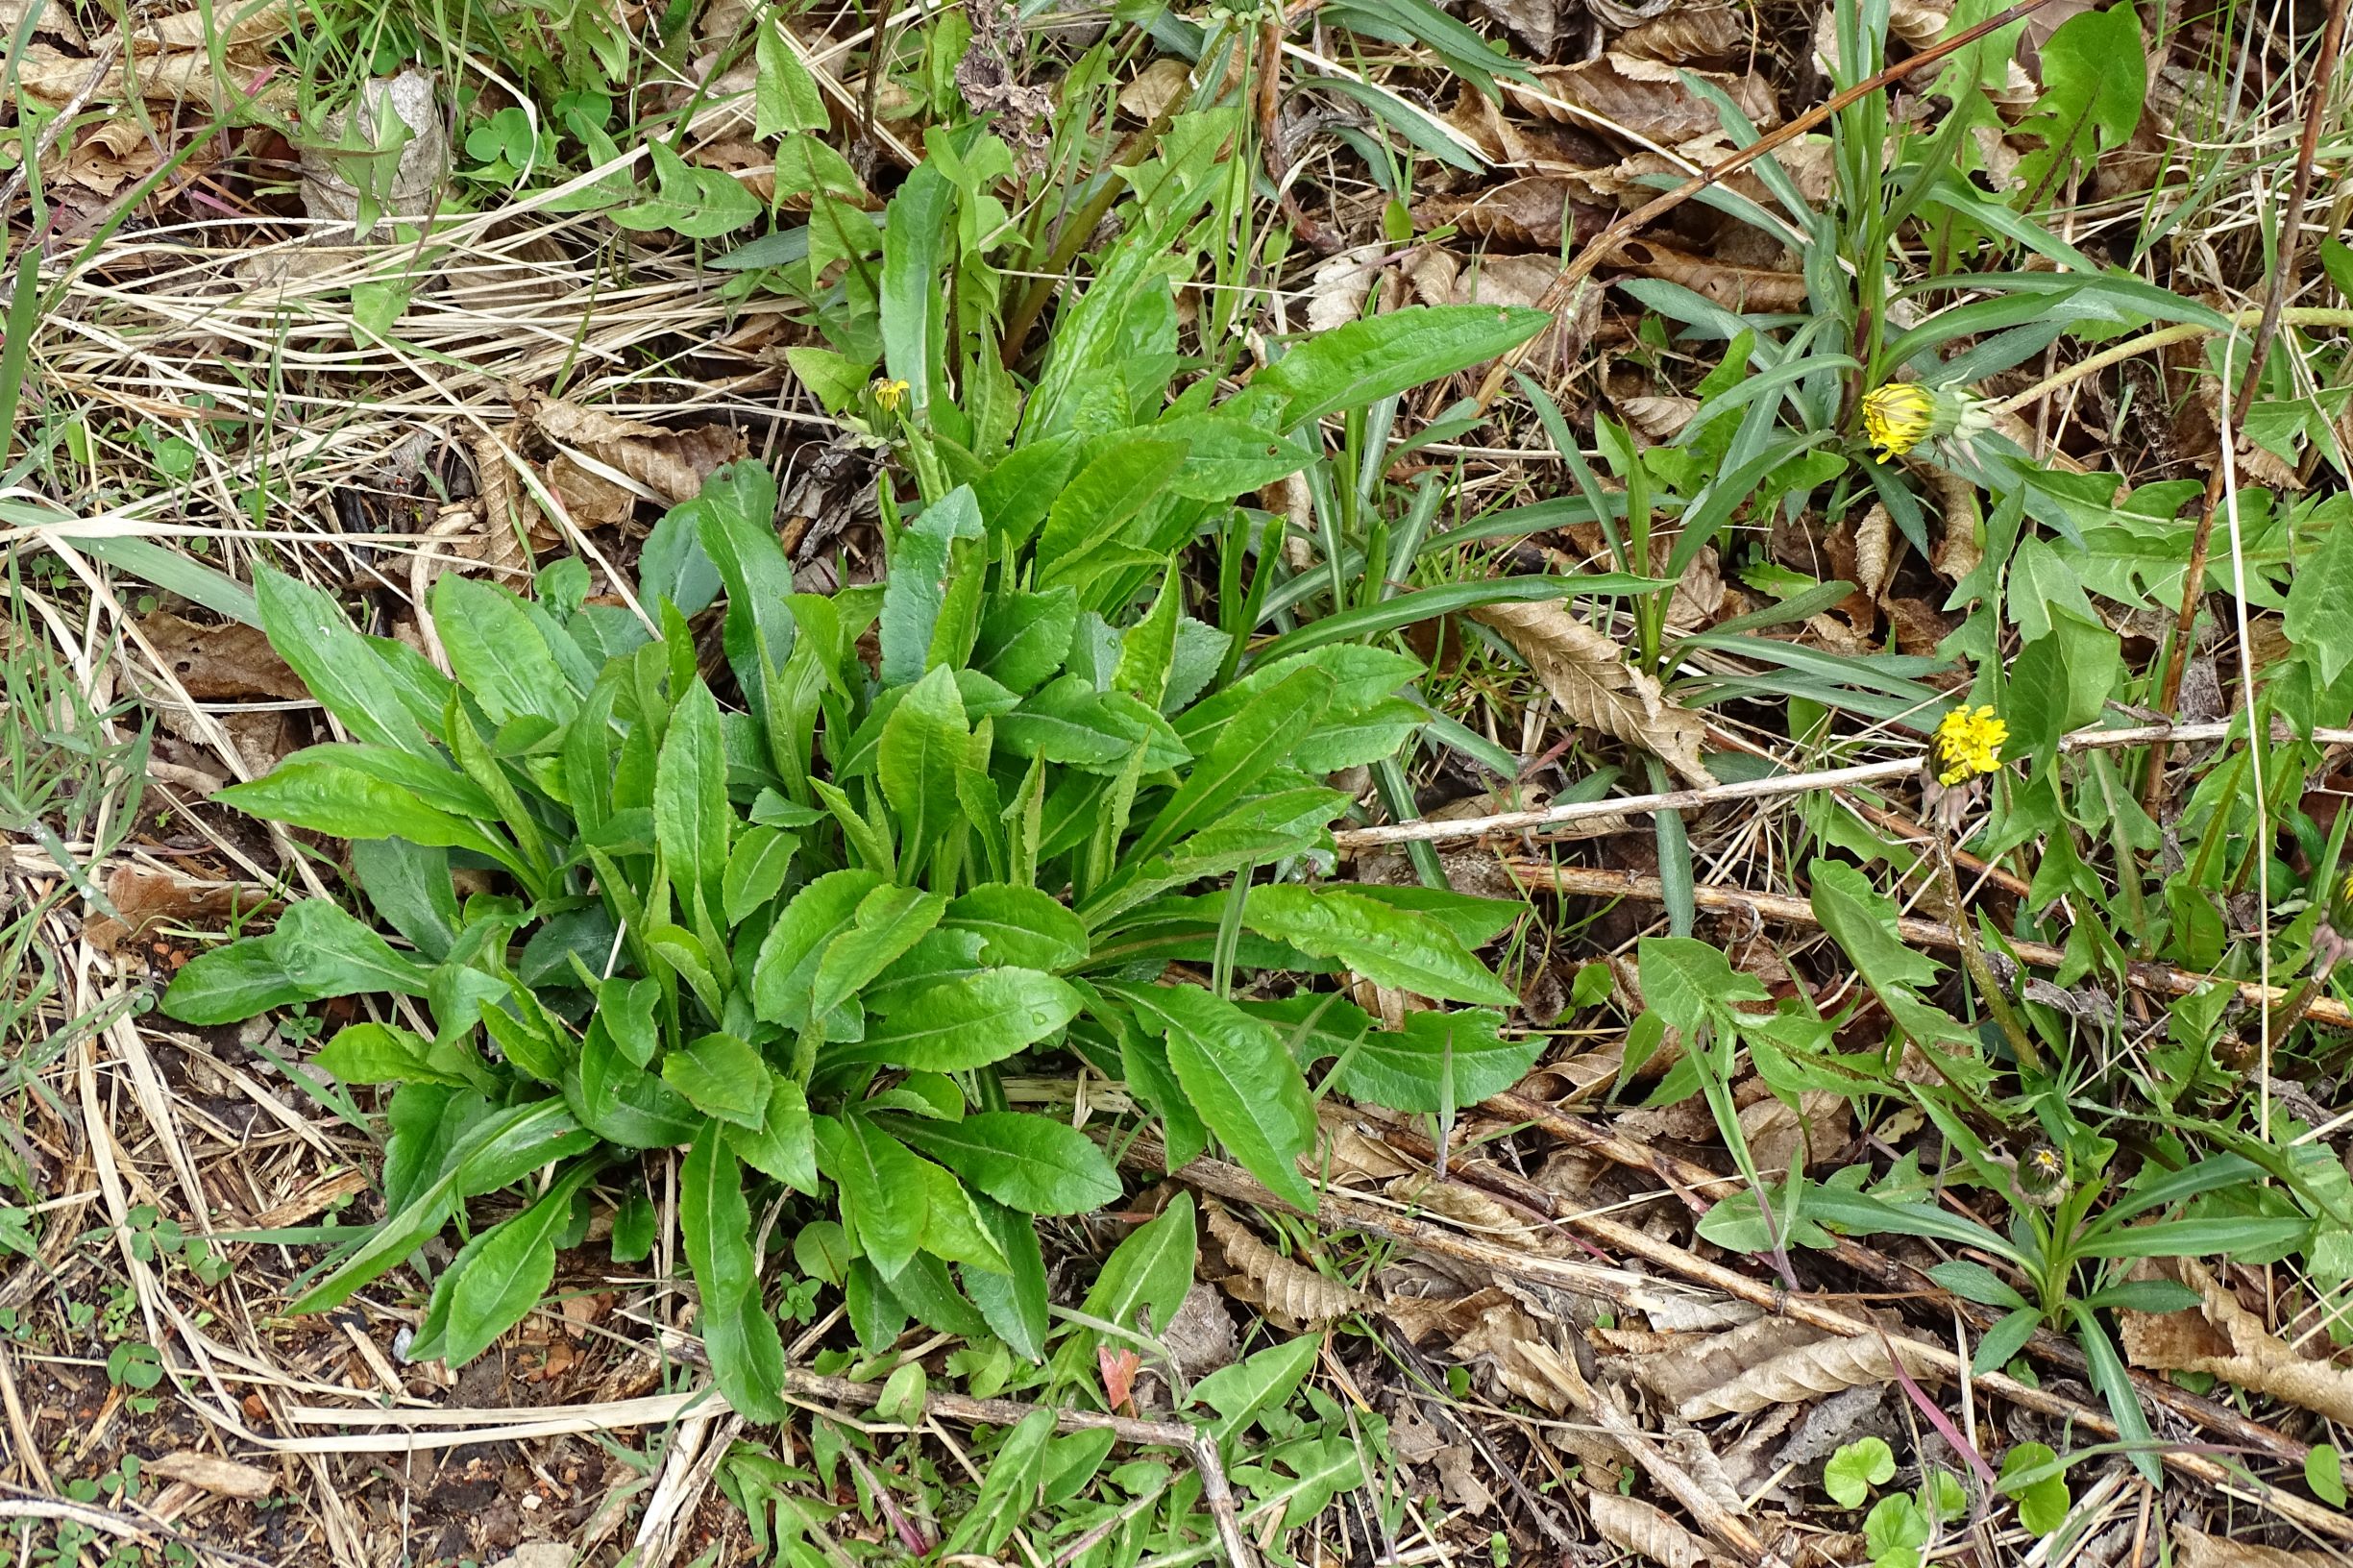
1687, 35
1661, 419
1874, 541
1538, 24
1277, 1283
1634, 1526
245, 24
1337, 287
1779, 1136
1155, 87
1459, 1478
1552, 148
145, 898
55, 21
671, 463
1490, 1219
1507, 1342
589, 500
186, 76
1589, 678
1529, 213
1735, 288
2200, 1550
1957, 550
343, 174
1646, 97
224, 1478
1344, 1151
227, 661
1700, 1364
2223, 1339
1826, 1366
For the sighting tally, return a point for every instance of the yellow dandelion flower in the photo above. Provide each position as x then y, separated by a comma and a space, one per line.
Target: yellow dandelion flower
1899, 416
1969, 743
890, 394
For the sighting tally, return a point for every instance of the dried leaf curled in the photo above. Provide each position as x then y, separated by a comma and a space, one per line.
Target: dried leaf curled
224, 1478
1589, 678
1277, 1283
2221, 1338
1634, 1526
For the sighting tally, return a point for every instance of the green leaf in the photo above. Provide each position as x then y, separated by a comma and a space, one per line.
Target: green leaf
756, 867
785, 973
2225, 1236
922, 742
1248, 746
1388, 945
2324, 1472
1126, 475
1146, 1275
735, 519
326, 796
409, 884
2060, 683
1974, 1281
721, 1076
1690, 983
888, 920
1226, 457
379, 1053
2031, 1473
2317, 594
1024, 638
966, 1022
1361, 362
785, 96
2005, 1339
339, 666
715, 1224
1023, 1161
1241, 1392
1442, 1060
1855, 1469
690, 202
883, 1191
509, 1274
496, 653
1021, 925
691, 814
502, 1147
784, 1145
1013, 1303
919, 226
1235, 1072
1897, 1533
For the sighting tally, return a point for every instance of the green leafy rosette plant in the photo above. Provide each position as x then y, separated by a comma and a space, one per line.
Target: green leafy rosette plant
803, 939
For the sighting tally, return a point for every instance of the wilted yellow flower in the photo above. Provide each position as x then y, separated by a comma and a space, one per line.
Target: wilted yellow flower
1969, 743
890, 394
1899, 416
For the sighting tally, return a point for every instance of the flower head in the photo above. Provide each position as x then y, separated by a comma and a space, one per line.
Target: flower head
2041, 1173
890, 394
1969, 743
1898, 416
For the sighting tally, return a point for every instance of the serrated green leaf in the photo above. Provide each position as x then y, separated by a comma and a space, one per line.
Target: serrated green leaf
715, 1225
1241, 1081
1388, 945
1023, 1161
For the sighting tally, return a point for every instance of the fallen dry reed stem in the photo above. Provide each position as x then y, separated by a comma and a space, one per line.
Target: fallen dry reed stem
2158, 979
1439, 831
